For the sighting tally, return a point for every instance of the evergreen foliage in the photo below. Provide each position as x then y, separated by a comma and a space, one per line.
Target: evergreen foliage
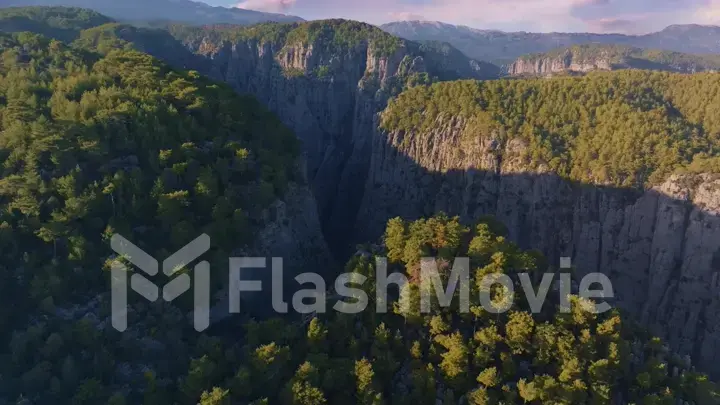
91, 144
628, 128
62, 23
402, 357
334, 35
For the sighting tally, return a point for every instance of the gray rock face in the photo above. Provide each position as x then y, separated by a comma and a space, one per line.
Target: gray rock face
660, 248
292, 233
558, 64
334, 115
587, 58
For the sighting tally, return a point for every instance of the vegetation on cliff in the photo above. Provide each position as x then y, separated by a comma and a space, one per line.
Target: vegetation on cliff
334, 35
626, 128
332, 38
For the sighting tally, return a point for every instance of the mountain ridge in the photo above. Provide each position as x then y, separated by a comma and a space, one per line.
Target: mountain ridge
436, 23
186, 11
502, 47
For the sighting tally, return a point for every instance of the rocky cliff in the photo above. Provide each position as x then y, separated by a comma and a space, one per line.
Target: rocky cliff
329, 91
586, 58
565, 63
660, 247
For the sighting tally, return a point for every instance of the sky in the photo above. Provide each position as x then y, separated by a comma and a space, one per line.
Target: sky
625, 16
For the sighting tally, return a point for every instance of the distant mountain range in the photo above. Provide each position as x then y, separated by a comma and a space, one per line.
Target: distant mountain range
504, 47
185, 11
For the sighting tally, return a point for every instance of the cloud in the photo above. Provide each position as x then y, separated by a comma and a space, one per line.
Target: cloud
406, 16
581, 3
710, 14
273, 6
544, 15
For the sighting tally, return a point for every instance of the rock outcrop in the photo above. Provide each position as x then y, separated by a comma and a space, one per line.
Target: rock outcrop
331, 98
587, 58
546, 65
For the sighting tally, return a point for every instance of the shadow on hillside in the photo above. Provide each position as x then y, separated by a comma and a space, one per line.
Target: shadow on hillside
660, 247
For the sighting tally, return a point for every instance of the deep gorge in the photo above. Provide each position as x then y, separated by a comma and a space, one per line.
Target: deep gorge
660, 247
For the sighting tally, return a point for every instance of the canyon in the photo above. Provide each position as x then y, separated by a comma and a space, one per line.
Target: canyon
660, 246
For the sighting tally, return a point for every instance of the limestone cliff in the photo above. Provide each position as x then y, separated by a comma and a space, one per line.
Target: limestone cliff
586, 58
660, 247
329, 94
565, 63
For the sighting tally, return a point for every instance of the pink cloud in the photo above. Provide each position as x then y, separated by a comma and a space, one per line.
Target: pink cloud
546, 15
710, 14
273, 6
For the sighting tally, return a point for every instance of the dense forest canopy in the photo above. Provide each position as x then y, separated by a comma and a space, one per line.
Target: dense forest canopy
478, 358
56, 22
627, 128
187, 11
156, 42
335, 34
93, 145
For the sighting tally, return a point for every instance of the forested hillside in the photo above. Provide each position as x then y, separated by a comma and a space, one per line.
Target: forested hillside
95, 145
55, 22
629, 128
186, 11
445, 357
